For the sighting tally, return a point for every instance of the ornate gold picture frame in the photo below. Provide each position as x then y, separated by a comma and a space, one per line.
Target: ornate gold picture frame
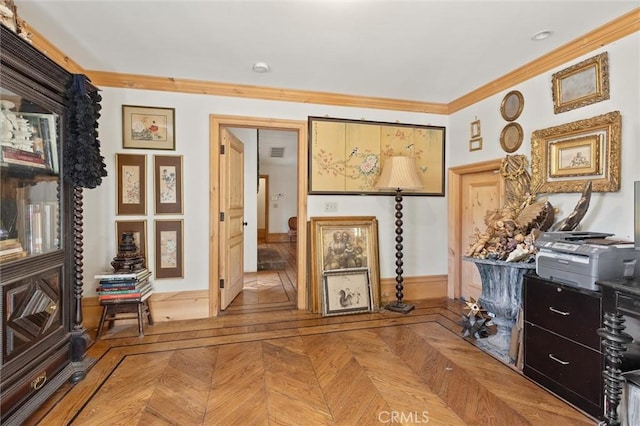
512, 105
556, 166
582, 84
343, 244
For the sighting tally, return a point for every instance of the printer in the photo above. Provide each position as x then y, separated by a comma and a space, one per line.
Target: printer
582, 258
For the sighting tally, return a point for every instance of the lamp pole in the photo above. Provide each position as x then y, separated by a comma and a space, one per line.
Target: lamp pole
399, 305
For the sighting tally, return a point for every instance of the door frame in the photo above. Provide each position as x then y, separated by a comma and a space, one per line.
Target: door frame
216, 122
266, 206
456, 247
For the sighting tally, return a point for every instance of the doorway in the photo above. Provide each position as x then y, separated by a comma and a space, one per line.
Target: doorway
216, 261
467, 185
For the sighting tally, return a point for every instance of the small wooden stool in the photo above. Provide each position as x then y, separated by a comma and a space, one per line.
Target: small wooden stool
111, 312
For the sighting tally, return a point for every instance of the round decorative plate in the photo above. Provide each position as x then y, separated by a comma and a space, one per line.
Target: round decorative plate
512, 105
511, 137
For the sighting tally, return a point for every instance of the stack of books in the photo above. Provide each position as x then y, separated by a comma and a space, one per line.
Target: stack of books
11, 249
124, 287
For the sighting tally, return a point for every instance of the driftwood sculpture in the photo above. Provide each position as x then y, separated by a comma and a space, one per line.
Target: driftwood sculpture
512, 229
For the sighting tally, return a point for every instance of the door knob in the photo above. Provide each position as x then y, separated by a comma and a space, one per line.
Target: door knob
244, 223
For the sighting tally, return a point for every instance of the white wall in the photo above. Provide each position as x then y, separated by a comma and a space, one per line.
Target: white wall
283, 196
610, 212
426, 238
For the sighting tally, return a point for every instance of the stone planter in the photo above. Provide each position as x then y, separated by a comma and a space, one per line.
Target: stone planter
501, 296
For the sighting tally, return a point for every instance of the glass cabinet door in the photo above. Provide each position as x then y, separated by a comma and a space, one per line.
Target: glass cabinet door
30, 188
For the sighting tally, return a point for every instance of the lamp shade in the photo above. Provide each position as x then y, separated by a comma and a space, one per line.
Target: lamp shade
399, 173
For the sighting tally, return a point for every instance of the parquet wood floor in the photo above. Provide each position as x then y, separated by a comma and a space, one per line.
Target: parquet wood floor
265, 363
296, 368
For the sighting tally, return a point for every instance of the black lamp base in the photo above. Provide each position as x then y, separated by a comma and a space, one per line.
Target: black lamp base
401, 307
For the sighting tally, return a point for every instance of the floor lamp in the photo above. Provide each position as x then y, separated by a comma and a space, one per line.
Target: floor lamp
399, 173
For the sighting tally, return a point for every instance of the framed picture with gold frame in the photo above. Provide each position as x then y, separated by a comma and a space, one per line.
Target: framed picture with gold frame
139, 230
475, 144
575, 157
512, 105
475, 129
581, 84
343, 244
556, 166
148, 127
511, 137
132, 184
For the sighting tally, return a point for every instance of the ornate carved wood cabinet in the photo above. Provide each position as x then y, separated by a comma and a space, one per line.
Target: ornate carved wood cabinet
43, 342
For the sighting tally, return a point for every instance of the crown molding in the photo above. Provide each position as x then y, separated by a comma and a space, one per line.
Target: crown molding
621, 27
618, 28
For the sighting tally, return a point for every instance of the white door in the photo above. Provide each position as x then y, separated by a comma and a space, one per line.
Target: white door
232, 218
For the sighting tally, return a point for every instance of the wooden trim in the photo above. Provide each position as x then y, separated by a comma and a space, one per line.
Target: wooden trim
455, 221
216, 123
200, 87
618, 28
415, 288
171, 306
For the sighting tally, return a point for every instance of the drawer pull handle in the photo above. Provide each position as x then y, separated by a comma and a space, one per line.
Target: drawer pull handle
552, 309
558, 360
39, 381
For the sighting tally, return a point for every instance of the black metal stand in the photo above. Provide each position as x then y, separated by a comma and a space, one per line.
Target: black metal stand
399, 305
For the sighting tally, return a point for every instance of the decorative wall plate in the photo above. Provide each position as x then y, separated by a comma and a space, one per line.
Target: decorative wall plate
512, 105
511, 137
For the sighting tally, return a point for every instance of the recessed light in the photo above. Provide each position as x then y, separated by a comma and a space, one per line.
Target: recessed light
260, 67
541, 35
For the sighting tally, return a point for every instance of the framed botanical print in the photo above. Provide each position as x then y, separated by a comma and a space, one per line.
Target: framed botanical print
167, 173
131, 191
169, 249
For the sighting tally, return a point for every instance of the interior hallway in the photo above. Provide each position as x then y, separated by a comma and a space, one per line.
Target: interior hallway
269, 290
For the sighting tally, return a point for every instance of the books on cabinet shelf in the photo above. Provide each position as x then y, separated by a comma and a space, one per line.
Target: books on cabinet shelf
122, 287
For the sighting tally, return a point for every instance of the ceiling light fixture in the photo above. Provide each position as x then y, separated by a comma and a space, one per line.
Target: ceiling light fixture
260, 67
541, 35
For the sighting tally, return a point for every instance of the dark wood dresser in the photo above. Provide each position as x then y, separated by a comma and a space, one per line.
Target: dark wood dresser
562, 350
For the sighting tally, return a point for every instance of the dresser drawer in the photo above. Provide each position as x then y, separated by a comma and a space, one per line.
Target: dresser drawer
569, 364
571, 313
29, 386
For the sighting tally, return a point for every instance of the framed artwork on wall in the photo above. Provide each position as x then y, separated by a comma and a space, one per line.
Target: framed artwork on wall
169, 246
581, 84
148, 127
565, 157
346, 156
167, 174
131, 191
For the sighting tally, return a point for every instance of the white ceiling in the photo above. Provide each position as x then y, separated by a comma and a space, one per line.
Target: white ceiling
429, 50
423, 50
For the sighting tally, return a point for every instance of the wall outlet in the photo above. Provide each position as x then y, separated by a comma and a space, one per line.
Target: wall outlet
331, 207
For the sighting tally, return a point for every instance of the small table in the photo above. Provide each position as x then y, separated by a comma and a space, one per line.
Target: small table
113, 310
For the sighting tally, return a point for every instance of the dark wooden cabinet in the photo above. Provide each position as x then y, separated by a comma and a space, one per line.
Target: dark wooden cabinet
621, 339
43, 340
562, 350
